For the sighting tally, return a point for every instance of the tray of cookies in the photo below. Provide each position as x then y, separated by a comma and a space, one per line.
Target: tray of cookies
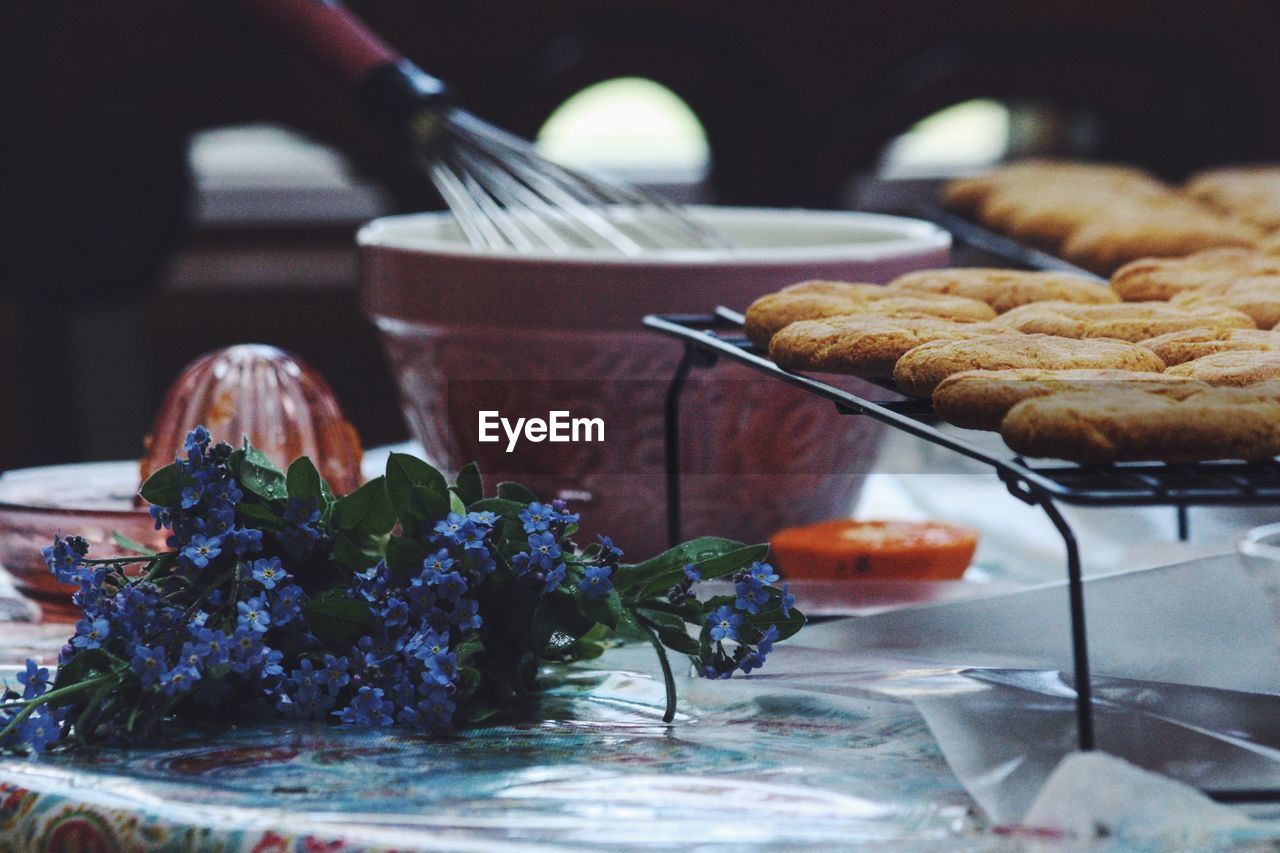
1097, 399
1046, 214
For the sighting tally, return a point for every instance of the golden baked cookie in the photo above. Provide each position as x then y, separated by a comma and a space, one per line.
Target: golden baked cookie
965, 195
814, 300
1251, 193
979, 399
1270, 245
1005, 289
1128, 321
801, 301
1049, 218
865, 345
1235, 368
968, 194
1180, 347
1045, 215
836, 288
1220, 423
920, 370
1159, 279
1257, 296
1115, 239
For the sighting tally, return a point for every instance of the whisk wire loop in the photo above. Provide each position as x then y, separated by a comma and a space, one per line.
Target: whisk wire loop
507, 197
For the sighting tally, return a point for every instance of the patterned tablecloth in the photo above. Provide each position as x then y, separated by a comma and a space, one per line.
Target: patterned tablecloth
808, 760
824, 749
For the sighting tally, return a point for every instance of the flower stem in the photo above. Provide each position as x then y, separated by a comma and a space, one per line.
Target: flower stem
44, 698
668, 679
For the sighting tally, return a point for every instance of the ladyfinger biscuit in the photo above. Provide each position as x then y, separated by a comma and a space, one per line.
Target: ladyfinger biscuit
1005, 289
801, 301
979, 399
1220, 423
920, 370
1046, 215
1251, 193
842, 289
1129, 321
1257, 296
1110, 242
771, 313
1270, 245
865, 345
1180, 347
1236, 368
967, 194
1160, 279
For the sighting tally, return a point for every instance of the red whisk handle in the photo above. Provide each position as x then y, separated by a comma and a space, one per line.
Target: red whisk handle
325, 34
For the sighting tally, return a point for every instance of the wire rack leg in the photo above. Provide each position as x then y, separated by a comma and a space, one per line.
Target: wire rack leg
1079, 633
671, 431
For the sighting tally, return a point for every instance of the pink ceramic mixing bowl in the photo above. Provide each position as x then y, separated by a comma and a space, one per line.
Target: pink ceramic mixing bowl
527, 334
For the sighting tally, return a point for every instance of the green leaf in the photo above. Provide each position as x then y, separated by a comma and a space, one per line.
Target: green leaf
661, 617
606, 609
469, 487
303, 481
129, 545
468, 648
788, 626
709, 569
367, 510
670, 630
259, 476
589, 650
87, 664
405, 556
558, 613
516, 492
677, 639
474, 717
164, 487
405, 471
672, 562
327, 498
349, 554
260, 515
727, 564
498, 506
418, 492
468, 678
687, 611
336, 619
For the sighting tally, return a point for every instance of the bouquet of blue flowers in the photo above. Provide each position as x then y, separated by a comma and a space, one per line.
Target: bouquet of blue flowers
410, 601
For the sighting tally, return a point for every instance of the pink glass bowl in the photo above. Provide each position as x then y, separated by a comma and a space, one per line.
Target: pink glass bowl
93, 500
529, 333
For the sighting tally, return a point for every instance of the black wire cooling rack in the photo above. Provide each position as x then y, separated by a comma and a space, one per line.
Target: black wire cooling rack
707, 338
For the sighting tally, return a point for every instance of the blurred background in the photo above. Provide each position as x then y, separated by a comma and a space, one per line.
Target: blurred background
170, 186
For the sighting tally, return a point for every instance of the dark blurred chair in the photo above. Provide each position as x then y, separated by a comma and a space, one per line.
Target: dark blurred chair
101, 99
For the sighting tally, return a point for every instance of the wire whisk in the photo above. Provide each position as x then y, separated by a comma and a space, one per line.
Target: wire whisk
504, 195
